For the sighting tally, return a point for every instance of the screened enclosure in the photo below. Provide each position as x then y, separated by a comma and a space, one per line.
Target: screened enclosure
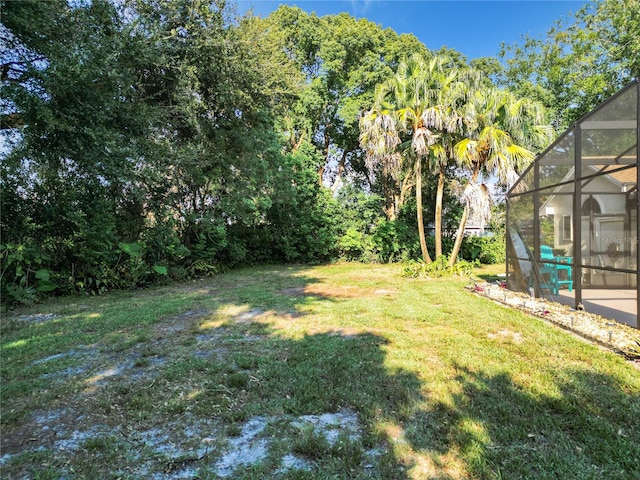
572, 217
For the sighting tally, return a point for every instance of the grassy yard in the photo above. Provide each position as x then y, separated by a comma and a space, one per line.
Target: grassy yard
340, 371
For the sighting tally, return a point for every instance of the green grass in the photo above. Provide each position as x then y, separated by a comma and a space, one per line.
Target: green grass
437, 391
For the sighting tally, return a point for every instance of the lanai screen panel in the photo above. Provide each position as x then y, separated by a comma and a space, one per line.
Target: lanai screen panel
608, 193
577, 205
520, 235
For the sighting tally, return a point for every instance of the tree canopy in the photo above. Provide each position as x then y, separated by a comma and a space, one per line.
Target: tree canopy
583, 59
170, 139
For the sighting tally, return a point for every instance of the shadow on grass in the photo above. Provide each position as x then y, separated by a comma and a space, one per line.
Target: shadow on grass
150, 416
586, 426
117, 319
175, 382
491, 278
315, 375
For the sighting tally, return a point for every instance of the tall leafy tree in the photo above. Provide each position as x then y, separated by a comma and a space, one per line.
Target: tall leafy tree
581, 61
131, 118
217, 92
342, 59
78, 124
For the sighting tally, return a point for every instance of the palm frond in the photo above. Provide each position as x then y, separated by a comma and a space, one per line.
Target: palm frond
432, 117
423, 138
520, 156
465, 151
438, 155
478, 198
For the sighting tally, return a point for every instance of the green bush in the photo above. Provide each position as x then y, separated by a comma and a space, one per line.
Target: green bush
23, 273
205, 237
394, 240
134, 271
163, 243
301, 224
353, 245
486, 250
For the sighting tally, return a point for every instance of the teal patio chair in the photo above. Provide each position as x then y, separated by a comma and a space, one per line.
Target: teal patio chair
559, 273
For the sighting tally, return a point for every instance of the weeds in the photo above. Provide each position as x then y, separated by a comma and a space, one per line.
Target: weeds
439, 268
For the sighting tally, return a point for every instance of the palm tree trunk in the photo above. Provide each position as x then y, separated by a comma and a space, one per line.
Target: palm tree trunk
459, 235
423, 241
463, 222
388, 191
438, 219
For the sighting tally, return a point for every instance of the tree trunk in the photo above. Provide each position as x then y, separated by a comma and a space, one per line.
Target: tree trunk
336, 182
438, 219
296, 145
325, 151
389, 198
423, 241
407, 185
463, 223
459, 235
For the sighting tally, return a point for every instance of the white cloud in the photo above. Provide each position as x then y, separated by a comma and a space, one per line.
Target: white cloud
360, 7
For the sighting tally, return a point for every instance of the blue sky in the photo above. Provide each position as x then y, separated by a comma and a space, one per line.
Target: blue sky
475, 28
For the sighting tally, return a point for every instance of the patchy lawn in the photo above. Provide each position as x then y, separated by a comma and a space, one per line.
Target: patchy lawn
340, 371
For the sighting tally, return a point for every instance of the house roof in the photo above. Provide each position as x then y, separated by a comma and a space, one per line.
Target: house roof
623, 177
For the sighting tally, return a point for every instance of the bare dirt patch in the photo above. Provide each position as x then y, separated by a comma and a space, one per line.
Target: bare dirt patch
180, 449
337, 291
38, 318
507, 336
92, 420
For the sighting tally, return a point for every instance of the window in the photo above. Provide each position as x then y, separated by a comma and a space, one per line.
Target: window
590, 207
567, 228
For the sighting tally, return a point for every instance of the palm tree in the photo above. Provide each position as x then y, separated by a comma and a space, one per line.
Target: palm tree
501, 131
452, 100
379, 138
409, 103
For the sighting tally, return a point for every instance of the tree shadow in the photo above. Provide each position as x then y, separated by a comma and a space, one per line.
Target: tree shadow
491, 278
208, 371
318, 374
162, 394
585, 425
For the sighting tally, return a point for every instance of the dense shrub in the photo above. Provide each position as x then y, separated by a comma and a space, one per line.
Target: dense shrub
394, 241
487, 250
24, 272
301, 224
164, 245
354, 245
